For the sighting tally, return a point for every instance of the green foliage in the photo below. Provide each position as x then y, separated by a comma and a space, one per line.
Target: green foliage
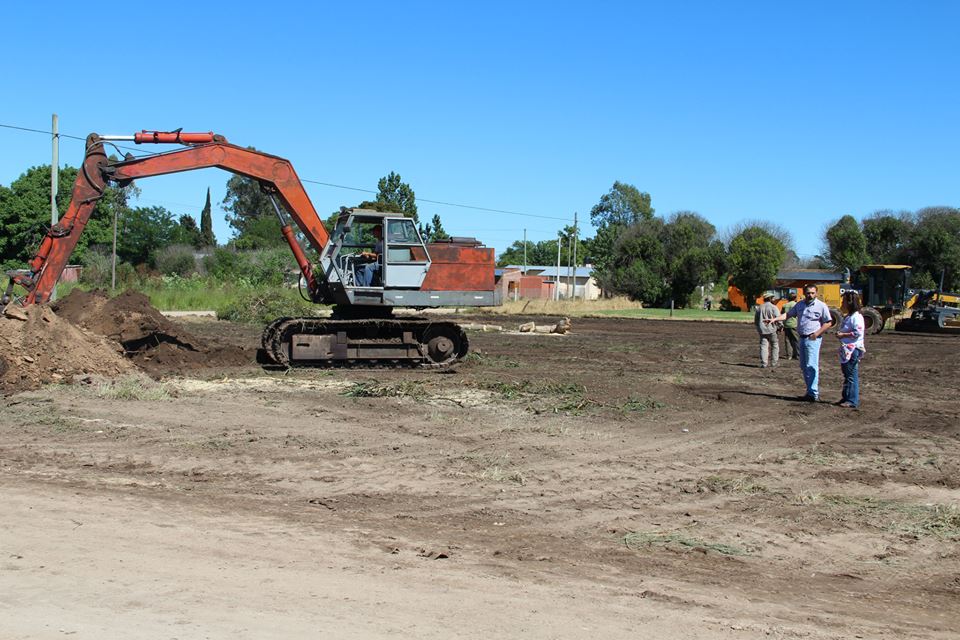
935, 245
206, 224
923, 280
260, 233
643, 539
187, 233
623, 205
261, 267
143, 230
655, 261
691, 254
846, 245
96, 272
887, 236
755, 256
25, 214
434, 230
544, 253
393, 196
639, 262
176, 259
245, 203
260, 306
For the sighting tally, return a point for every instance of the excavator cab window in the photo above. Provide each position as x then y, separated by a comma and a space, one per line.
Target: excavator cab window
404, 244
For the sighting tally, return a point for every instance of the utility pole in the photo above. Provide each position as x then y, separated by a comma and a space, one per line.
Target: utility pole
524, 252
569, 265
576, 234
54, 184
113, 260
556, 288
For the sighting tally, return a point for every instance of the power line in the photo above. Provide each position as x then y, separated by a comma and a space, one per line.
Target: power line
336, 186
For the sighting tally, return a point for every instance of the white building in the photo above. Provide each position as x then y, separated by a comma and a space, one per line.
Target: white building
571, 283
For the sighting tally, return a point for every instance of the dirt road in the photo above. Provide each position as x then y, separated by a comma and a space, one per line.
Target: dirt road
632, 479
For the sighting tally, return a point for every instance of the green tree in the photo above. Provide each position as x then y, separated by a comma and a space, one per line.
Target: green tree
142, 232
538, 253
245, 204
935, 245
639, 263
187, 233
846, 245
393, 196
622, 206
25, 215
755, 254
544, 253
690, 254
206, 224
434, 230
261, 233
888, 235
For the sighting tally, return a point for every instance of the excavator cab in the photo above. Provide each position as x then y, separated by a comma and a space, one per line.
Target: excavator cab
373, 250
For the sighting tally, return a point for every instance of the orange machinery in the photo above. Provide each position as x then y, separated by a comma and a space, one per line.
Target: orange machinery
409, 272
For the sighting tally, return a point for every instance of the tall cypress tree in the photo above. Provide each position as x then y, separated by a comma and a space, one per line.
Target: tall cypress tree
206, 224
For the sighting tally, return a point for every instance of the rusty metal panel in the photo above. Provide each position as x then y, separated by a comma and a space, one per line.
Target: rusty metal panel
458, 268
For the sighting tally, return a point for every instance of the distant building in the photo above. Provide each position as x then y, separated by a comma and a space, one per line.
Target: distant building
541, 282
71, 273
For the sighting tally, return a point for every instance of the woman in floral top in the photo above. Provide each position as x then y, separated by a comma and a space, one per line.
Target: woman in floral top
852, 348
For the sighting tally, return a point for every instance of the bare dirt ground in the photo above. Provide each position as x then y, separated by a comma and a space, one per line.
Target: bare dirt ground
631, 479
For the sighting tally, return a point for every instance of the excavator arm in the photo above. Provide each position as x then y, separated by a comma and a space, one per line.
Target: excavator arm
275, 175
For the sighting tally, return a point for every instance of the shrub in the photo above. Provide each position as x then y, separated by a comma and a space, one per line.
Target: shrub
260, 306
258, 267
96, 271
176, 259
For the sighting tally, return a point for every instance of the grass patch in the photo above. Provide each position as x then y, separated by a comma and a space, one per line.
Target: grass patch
679, 314
495, 468
739, 484
817, 457
636, 404
374, 389
646, 539
480, 359
570, 308
132, 388
919, 520
561, 397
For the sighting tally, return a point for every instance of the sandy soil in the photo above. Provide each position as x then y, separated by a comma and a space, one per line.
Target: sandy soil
631, 479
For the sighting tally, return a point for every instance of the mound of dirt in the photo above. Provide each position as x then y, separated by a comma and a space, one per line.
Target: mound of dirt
150, 340
40, 347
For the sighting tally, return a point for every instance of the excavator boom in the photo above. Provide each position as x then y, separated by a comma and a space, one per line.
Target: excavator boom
275, 175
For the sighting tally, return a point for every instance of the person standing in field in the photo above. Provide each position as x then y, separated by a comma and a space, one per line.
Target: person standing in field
791, 340
769, 344
852, 348
813, 320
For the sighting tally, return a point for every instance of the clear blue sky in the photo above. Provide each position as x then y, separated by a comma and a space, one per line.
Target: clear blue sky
796, 113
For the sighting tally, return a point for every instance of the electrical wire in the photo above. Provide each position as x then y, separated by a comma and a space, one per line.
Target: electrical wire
318, 182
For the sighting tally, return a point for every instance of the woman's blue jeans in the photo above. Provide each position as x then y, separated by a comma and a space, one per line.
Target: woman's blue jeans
851, 378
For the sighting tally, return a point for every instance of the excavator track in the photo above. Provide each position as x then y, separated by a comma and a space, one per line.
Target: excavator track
391, 342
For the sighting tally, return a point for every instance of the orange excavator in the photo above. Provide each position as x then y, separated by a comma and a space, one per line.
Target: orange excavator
364, 283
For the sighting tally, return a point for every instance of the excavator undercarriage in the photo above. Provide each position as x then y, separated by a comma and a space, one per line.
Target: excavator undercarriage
319, 342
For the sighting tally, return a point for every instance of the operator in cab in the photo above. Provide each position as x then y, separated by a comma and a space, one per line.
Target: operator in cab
369, 273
